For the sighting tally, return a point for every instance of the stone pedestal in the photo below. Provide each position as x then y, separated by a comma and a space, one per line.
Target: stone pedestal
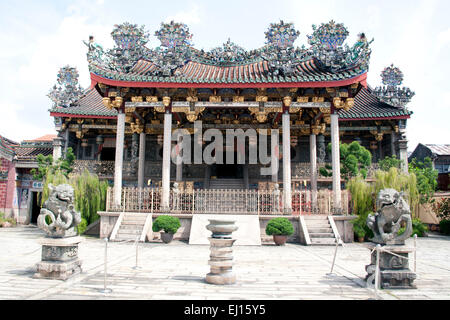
59, 258
394, 271
221, 257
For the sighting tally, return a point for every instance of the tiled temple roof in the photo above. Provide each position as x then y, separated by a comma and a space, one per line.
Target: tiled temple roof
28, 149
367, 106
90, 104
256, 72
327, 59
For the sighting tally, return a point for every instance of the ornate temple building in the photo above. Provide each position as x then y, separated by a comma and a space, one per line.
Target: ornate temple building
121, 127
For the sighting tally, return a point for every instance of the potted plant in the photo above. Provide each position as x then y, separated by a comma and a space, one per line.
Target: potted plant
359, 232
280, 229
168, 224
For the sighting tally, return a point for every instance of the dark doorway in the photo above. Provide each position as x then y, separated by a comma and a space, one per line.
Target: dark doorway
108, 154
35, 207
228, 171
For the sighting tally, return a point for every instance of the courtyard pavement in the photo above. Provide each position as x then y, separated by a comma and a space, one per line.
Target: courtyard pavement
177, 270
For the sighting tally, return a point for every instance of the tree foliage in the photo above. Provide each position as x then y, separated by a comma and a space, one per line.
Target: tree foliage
354, 159
390, 162
426, 178
46, 165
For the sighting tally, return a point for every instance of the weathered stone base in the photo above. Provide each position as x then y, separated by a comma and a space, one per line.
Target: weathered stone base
394, 271
57, 270
59, 258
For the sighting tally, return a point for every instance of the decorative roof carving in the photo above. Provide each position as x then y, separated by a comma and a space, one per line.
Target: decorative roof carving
228, 53
326, 56
391, 92
174, 50
130, 43
327, 47
280, 52
67, 91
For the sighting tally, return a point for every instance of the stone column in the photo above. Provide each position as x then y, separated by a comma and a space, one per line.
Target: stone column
287, 163
165, 196
403, 146
57, 148
274, 153
393, 153
313, 170
335, 163
179, 164
66, 140
118, 163
141, 165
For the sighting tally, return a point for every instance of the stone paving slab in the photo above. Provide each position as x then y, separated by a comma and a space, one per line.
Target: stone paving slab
177, 271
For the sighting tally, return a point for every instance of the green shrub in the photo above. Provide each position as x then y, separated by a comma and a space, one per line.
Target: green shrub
82, 226
419, 228
279, 226
444, 227
3, 219
169, 224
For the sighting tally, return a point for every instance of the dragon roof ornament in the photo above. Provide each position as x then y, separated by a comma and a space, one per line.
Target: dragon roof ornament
391, 92
67, 90
327, 47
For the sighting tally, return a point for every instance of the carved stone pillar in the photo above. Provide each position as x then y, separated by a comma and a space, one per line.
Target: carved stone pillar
403, 147
118, 163
57, 148
335, 163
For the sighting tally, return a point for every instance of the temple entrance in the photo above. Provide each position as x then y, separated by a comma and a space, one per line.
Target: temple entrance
228, 171
35, 207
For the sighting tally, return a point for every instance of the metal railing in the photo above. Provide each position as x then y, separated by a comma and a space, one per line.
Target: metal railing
223, 201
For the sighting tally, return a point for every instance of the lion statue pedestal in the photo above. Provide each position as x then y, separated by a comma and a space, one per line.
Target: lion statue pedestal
392, 212
59, 220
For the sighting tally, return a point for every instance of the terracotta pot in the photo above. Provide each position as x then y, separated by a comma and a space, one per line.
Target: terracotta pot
279, 240
361, 239
166, 237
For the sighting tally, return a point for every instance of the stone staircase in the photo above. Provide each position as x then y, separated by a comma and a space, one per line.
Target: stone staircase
129, 226
320, 230
227, 184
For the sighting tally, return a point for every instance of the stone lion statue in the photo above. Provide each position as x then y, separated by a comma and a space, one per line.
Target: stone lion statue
58, 216
392, 210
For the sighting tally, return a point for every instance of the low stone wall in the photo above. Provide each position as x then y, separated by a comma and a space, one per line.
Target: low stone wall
345, 227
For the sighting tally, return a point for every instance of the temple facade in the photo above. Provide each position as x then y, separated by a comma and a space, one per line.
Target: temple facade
298, 98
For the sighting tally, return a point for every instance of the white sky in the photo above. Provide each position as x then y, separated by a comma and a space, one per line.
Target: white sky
38, 38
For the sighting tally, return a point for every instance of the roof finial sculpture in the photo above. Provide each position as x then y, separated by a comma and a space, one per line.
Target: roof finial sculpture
280, 52
390, 92
130, 46
229, 52
176, 40
95, 51
327, 46
68, 90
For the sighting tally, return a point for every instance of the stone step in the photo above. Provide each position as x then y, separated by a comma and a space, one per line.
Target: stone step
321, 235
323, 241
130, 226
129, 231
315, 217
123, 237
320, 230
318, 225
